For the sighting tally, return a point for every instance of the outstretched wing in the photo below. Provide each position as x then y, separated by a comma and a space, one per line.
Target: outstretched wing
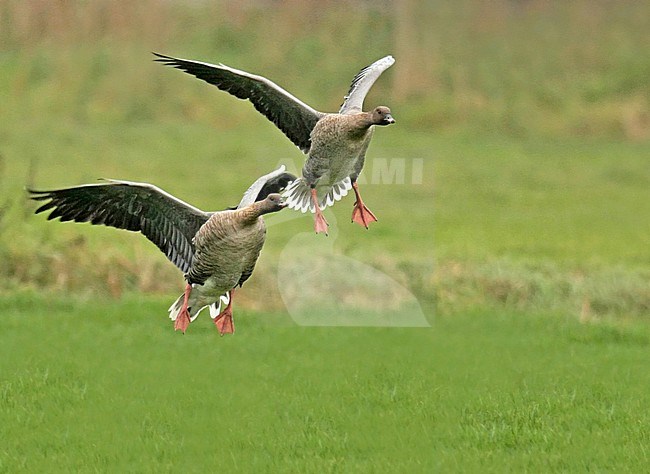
295, 118
361, 84
140, 207
274, 182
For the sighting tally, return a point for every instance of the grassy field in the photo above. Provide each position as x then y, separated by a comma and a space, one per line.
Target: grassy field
524, 241
96, 386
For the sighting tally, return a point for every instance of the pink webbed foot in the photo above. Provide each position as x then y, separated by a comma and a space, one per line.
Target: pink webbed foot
183, 318
182, 321
224, 321
361, 214
320, 224
225, 324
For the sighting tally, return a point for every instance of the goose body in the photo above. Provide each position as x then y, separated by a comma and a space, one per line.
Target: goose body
335, 143
227, 247
336, 158
217, 251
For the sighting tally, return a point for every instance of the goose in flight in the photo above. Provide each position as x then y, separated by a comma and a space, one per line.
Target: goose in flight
335, 143
217, 251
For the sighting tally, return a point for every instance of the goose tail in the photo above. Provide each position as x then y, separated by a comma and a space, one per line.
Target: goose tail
298, 195
215, 308
175, 309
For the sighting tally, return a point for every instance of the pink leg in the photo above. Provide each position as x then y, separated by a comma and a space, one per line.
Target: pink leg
361, 214
224, 321
183, 318
320, 224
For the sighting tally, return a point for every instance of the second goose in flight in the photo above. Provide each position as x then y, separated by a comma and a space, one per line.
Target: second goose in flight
336, 143
217, 251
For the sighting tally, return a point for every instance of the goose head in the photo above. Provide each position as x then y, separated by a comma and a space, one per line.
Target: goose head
273, 203
381, 116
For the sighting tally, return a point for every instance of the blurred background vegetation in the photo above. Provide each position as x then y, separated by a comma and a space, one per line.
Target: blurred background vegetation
532, 117
520, 67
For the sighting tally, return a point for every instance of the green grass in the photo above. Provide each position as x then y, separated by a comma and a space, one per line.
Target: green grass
99, 386
562, 200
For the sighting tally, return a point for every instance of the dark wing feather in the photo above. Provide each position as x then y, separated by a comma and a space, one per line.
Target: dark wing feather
273, 182
275, 185
295, 118
140, 207
361, 84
